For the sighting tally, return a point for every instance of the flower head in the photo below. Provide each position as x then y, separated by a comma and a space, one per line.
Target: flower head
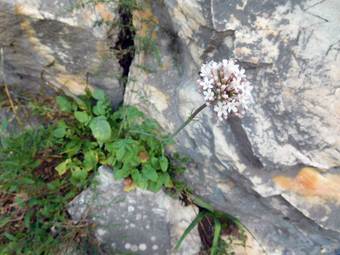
224, 85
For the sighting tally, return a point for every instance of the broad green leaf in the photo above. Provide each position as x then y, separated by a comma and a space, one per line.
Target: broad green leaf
155, 186
150, 173
164, 163
64, 104
99, 95
63, 167
82, 117
100, 108
101, 129
121, 174
138, 178
166, 180
90, 160
79, 174
120, 153
59, 132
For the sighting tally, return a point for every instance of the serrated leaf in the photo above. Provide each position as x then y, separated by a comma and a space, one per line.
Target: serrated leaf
101, 129
150, 173
82, 117
64, 104
164, 162
63, 167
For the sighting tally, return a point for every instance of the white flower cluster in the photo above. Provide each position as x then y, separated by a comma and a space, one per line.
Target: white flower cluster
224, 86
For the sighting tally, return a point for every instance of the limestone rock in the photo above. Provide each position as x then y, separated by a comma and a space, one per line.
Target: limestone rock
139, 222
277, 169
56, 43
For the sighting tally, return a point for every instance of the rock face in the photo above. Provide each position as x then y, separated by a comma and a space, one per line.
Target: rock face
137, 222
277, 169
55, 42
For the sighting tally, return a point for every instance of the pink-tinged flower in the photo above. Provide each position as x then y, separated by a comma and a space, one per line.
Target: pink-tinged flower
225, 87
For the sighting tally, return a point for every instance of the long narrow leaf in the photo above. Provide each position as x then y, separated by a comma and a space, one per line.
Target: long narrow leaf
193, 224
201, 203
217, 234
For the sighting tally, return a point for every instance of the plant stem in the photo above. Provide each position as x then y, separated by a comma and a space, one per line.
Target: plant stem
191, 117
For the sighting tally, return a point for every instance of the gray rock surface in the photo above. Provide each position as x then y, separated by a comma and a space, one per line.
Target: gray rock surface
139, 222
52, 42
277, 169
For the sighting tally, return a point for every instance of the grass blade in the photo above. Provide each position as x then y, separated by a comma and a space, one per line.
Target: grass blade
217, 234
193, 224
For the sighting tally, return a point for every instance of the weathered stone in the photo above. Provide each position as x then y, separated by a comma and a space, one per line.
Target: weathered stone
53, 42
139, 221
255, 167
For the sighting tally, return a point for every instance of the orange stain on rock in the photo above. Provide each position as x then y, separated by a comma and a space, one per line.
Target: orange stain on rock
104, 12
311, 183
145, 22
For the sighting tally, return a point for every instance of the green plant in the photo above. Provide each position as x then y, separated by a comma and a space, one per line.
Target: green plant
33, 218
126, 140
221, 220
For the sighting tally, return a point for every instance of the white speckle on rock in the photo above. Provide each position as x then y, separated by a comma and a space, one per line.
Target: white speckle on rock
131, 208
147, 226
138, 216
142, 246
153, 238
155, 247
101, 232
132, 225
127, 246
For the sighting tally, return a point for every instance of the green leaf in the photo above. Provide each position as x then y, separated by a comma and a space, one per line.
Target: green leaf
99, 95
164, 163
192, 225
63, 167
100, 108
82, 117
121, 174
166, 180
155, 186
4, 221
100, 128
90, 160
120, 153
201, 203
217, 234
79, 174
59, 132
150, 173
138, 178
64, 104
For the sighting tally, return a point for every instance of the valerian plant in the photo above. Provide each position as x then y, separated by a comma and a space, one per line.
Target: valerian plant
225, 88
93, 134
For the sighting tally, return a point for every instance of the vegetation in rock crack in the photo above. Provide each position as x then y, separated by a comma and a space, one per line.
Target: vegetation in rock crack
126, 140
212, 224
43, 169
